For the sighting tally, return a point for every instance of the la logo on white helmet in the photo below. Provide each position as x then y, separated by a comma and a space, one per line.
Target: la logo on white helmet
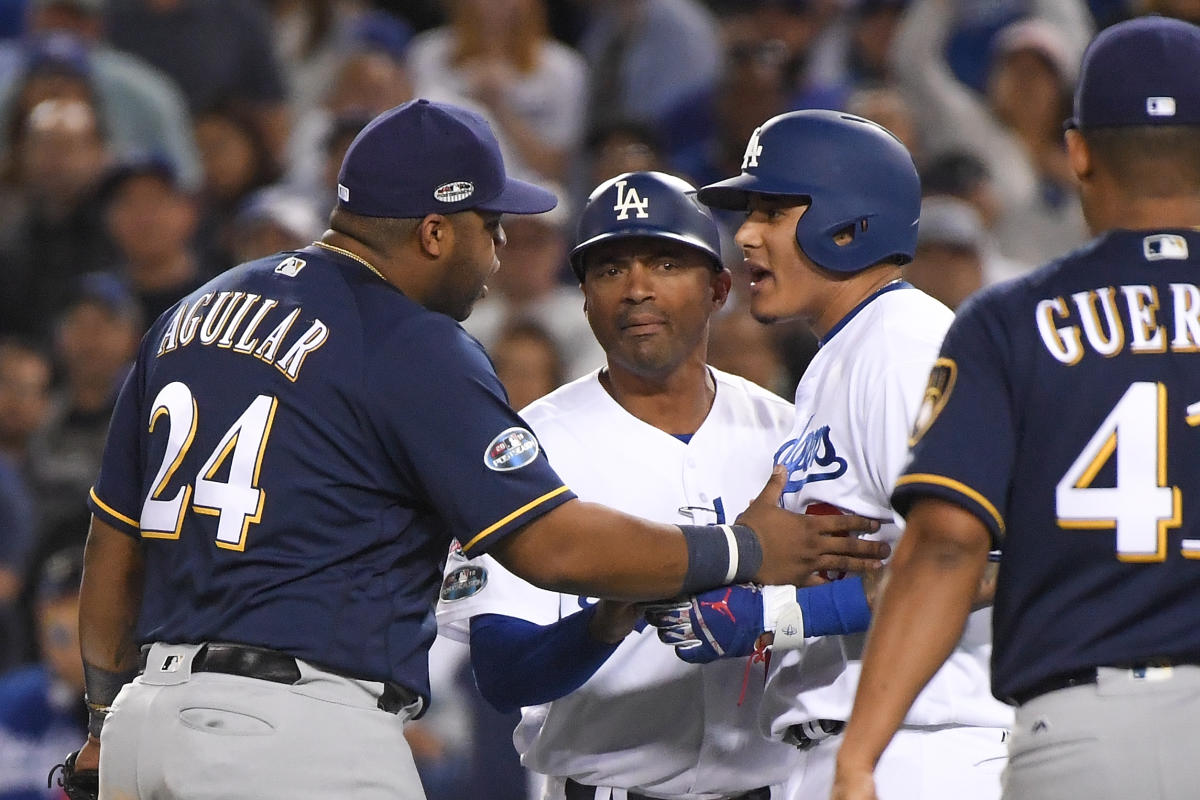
753, 150
630, 200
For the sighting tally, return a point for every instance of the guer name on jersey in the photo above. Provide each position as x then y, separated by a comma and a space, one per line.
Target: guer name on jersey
238, 321
1111, 319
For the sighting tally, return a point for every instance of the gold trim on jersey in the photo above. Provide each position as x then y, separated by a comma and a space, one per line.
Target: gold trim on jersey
96, 499
958, 486
354, 256
501, 523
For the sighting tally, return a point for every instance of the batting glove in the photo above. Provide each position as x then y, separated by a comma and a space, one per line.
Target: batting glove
719, 623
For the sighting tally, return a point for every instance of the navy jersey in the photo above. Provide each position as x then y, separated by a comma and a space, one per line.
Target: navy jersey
295, 447
1065, 413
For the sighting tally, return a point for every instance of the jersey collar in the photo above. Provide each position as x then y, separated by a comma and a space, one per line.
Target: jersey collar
899, 283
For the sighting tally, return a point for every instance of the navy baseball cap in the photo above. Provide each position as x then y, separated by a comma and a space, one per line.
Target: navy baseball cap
1140, 72
424, 158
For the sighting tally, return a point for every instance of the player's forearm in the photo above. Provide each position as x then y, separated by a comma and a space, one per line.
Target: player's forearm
932, 583
110, 598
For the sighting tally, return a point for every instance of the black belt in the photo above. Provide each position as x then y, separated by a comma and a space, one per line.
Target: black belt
272, 665
581, 791
807, 735
1083, 677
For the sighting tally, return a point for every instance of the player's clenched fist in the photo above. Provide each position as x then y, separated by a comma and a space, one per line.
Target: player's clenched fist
794, 546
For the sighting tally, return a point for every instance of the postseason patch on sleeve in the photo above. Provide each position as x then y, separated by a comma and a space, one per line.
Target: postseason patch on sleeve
512, 449
463, 582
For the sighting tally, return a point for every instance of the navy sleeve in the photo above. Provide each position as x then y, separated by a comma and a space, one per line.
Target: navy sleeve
116, 495
444, 420
519, 663
963, 440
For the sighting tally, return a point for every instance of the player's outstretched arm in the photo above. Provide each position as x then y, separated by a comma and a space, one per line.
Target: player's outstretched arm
109, 599
588, 549
934, 578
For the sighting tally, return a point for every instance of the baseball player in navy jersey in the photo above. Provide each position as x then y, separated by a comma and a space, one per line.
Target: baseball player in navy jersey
1060, 424
657, 432
831, 203
297, 443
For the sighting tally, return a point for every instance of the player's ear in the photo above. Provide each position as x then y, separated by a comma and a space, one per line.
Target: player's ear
434, 234
1079, 155
721, 283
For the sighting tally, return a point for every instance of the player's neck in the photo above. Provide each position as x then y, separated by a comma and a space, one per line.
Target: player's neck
1141, 214
846, 295
677, 402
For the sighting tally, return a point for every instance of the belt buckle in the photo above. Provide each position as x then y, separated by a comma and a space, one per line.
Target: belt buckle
807, 735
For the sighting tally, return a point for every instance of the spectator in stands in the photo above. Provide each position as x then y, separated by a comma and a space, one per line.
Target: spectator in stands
151, 220
528, 362
528, 288
498, 55
142, 108
648, 56
951, 246
272, 220
1016, 130
50, 228
97, 336
42, 714
237, 162
218, 52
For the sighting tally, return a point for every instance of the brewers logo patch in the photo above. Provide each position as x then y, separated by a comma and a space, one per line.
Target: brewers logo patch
512, 449
463, 582
937, 392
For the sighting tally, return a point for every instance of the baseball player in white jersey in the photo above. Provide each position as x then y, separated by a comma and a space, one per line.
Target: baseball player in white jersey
832, 202
657, 433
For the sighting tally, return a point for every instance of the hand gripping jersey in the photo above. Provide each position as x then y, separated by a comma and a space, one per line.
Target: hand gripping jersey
295, 447
645, 719
1078, 391
855, 406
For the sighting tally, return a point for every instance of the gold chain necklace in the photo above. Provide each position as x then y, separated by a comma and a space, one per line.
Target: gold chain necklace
354, 256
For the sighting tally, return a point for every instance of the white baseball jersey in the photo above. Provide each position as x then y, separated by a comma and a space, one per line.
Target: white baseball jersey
855, 408
645, 719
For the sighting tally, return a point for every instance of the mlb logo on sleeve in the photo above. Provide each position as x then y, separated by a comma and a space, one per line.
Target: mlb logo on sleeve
1165, 246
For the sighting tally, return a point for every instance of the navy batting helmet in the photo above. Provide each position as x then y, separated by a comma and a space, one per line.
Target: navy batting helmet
651, 204
855, 174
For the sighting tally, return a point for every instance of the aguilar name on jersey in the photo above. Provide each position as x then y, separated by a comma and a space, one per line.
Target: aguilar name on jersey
1065, 413
226, 414
855, 407
645, 718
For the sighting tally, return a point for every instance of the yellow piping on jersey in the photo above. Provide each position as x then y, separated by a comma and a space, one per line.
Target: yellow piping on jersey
112, 510
961, 488
492, 528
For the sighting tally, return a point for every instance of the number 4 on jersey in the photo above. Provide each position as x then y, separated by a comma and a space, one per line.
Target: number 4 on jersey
1141, 506
236, 501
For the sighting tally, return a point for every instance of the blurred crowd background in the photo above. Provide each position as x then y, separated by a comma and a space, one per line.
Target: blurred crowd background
146, 145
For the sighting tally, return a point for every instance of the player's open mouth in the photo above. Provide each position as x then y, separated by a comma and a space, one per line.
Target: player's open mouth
757, 273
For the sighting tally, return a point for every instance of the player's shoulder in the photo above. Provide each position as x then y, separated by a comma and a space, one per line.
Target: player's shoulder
582, 396
894, 328
747, 394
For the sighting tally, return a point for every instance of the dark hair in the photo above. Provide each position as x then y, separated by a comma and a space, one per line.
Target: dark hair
954, 173
1149, 160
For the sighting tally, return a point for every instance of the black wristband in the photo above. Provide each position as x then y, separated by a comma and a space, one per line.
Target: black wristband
719, 554
96, 717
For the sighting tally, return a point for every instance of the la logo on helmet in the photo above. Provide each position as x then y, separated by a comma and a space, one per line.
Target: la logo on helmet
630, 200
753, 150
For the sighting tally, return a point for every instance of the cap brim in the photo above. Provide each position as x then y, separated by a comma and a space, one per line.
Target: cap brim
733, 194
519, 197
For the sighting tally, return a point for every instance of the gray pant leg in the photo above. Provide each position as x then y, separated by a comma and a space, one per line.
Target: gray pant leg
1127, 736
215, 737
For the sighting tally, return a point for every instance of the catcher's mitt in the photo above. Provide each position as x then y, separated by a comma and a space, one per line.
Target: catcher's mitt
83, 784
